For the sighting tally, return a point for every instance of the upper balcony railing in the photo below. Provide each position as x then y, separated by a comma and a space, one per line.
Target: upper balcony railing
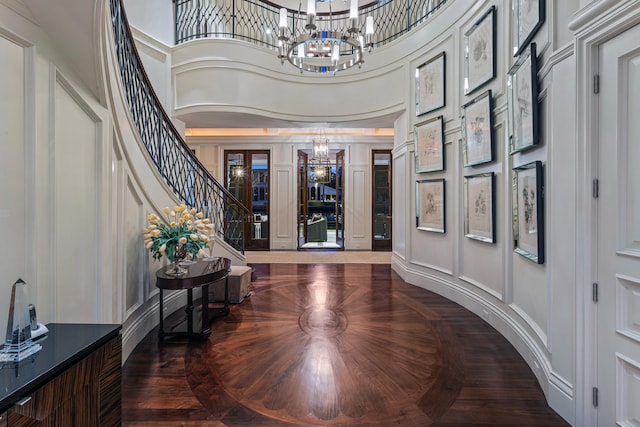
257, 22
181, 170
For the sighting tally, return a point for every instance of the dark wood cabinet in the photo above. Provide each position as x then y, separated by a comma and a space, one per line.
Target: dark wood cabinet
75, 380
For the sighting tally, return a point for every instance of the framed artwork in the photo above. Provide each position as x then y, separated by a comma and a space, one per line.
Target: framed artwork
523, 102
430, 85
528, 210
479, 52
479, 207
477, 142
429, 145
430, 205
527, 17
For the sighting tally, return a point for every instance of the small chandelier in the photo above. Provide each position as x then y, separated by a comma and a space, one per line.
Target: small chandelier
320, 165
325, 51
320, 148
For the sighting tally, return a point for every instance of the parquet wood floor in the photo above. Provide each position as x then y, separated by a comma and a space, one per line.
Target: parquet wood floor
335, 345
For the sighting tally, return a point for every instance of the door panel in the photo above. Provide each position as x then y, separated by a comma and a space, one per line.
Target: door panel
618, 231
340, 209
247, 178
303, 159
381, 197
259, 199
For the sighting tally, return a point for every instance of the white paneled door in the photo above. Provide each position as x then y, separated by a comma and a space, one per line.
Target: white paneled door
618, 231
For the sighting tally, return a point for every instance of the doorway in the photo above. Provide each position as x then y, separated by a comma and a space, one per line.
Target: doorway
381, 197
246, 176
617, 221
320, 202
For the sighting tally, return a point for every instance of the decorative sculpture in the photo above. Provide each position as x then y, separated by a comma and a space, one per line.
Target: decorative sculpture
18, 343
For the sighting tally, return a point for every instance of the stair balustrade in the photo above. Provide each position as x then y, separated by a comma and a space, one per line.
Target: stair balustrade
189, 180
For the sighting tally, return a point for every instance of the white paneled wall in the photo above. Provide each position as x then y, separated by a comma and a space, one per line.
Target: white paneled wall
13, 166
77, 142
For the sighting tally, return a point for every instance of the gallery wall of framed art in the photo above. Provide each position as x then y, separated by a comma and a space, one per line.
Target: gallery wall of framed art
514, 88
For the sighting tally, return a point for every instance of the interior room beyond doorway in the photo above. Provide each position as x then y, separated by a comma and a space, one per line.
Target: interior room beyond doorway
320, 224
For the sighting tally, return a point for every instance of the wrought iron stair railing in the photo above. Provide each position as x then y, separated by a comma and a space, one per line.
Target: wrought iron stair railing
176, 163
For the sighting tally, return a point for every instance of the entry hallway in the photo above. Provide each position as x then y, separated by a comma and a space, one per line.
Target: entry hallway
321, 344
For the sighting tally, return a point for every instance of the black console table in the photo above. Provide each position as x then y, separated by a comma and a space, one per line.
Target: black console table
198, 275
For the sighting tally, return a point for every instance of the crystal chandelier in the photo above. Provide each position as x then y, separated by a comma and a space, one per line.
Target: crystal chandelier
320, 165
324, 51
320, 148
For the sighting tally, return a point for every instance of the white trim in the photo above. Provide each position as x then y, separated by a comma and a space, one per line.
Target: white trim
526, 344
147, 320
594, 26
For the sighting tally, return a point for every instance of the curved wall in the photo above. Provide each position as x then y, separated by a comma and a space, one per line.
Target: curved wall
212, 76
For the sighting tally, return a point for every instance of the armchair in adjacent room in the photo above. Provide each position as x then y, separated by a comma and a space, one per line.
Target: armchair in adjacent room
317, 229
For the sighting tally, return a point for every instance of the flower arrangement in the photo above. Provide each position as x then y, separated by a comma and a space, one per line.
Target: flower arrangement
187, 232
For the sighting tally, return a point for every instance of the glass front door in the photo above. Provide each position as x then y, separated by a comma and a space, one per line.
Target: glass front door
247, 178
381, 164
303, 159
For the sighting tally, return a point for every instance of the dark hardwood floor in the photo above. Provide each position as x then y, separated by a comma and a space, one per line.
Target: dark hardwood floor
335, 345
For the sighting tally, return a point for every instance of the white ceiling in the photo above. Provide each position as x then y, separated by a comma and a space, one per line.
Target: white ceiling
72, 27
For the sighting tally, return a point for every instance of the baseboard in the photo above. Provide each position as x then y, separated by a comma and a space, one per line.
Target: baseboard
142, 322
525, 343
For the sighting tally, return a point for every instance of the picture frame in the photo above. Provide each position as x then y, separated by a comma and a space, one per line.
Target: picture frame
430, 85
479, 207
527, 16
528, 210
430, 205
479, 52
477, 142
429, 145
522, 99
